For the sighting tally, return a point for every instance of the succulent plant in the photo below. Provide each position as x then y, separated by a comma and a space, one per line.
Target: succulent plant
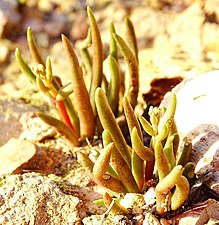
79, 121
119, 168
129, 168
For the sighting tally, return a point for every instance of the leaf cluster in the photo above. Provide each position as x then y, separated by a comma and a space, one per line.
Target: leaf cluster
121, 168
118, 167
75, 101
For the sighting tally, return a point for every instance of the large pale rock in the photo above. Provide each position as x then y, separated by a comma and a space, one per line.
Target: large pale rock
34, 199
197, 119
197, 104
15, 153
18, 156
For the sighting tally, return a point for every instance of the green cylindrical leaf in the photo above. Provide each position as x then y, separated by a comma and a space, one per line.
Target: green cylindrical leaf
163, 131
131, 118
186, 151
114, 84
137, 161
113, 47
99, 201
142, 151
119, 165
168, 117
33, 48
111, 183
138, 169
108, 122
174, 132
85, 112
123, 171
85, 55
147, 126
61, 127
161, 161
41, 85
106, 137
97, 57
85, 161
189, 170
72, 115
168, 150
168, 182
180, 193
24, 67
49, 74
131, 37
133, 80
102, 162
107, 140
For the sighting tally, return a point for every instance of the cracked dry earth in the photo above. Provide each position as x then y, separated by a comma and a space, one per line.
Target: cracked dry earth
41, 179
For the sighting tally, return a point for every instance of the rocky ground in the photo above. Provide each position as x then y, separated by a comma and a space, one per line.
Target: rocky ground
41, 180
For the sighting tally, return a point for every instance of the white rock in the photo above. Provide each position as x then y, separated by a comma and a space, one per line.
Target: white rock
196, 104
15, 153
197, 117
133, 201
34, 199
150, 197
